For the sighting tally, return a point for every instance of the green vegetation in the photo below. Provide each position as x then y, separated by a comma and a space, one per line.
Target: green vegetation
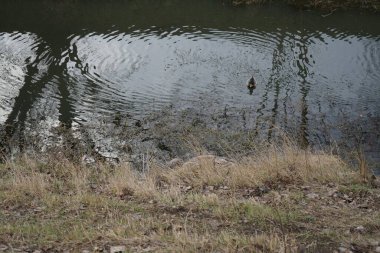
281, 200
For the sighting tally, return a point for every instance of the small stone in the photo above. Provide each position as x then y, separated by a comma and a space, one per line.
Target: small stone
136, 216
374, 243
117, 249
37, 251
377, 249
38, 209
342, 249
85, 251
86, 159
359, 229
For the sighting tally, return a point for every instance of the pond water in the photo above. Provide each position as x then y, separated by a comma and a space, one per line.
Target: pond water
82, 62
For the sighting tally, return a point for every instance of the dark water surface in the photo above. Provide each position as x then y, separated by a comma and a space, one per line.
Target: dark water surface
83, 62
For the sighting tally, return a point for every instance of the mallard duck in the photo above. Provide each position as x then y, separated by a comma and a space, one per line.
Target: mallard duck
251, 84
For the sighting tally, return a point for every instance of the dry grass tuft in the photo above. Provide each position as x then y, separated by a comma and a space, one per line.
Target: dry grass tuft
124, 182
32, 183
25, 178
286, 164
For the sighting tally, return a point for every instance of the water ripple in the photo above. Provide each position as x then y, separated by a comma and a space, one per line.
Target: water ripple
19, 52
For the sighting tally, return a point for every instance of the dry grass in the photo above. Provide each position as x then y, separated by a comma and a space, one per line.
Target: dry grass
200, 207
286, 164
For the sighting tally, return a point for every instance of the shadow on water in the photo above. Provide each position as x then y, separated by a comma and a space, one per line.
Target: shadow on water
303, 72
33, 89
25, 100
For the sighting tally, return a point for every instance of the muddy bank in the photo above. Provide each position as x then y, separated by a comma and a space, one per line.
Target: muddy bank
184, 133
